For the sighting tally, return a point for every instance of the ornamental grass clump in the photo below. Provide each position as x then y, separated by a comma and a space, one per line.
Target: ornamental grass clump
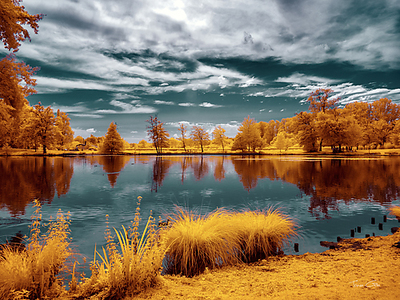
196, 242
261, 233
33, 273
127, 267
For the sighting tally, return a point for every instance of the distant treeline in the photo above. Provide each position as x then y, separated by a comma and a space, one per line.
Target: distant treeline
358, 124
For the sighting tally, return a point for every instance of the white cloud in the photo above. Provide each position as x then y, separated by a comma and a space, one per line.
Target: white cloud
161, 102
299, 78
186, 104
209, 105
127, 108
69, 109
92, 116
91, 130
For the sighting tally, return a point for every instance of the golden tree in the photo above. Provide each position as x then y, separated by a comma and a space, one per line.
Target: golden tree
64, 133
15, 77
157, 134
320, 101
248, 137
113, 142
44, 126
219, 136
182, 130
200, 136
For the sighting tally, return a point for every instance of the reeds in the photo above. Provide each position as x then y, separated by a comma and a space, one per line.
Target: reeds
32, 273
128, 267
196, 242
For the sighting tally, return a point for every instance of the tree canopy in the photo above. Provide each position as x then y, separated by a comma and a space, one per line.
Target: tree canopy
113, 142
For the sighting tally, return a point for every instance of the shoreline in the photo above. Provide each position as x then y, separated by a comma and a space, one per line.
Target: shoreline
57, 153
360, 268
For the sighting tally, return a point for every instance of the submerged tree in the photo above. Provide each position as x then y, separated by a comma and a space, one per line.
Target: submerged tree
157, 134
113, 142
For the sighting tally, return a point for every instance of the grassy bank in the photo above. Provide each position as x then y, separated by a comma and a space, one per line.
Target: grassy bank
132, 263
295, 151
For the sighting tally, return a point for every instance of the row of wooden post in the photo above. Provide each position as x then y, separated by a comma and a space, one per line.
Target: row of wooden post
352, 232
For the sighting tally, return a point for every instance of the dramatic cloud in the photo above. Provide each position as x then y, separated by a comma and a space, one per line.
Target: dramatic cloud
105, 59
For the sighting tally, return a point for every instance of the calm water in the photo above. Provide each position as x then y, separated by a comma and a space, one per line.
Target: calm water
327, 197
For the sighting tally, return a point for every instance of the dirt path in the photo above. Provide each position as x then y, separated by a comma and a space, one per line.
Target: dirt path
360, 269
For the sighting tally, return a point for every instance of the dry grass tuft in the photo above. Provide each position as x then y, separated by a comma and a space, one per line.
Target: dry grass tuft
196, 242
262, 233
32, 274
128, 267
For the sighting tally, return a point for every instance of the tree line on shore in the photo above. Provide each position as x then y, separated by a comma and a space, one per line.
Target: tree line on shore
358, 124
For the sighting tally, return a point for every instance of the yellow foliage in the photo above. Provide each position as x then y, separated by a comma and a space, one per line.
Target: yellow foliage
130, 270
34, 272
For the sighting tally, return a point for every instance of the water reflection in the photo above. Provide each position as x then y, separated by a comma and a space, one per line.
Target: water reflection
324, 181
327, 180
24, 179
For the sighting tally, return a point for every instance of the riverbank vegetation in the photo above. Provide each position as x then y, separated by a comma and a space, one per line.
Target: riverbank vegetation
187, 244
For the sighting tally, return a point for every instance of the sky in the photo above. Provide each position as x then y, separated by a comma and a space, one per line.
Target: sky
208, 62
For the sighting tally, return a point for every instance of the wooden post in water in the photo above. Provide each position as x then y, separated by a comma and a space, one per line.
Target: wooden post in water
352, 233
359, 229
384, 218
380, 226
296, 247
367, 235
372, 220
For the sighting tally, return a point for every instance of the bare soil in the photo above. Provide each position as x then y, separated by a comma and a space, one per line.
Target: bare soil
358, 269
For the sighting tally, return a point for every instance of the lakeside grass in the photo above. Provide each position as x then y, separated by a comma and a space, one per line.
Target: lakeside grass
326, 151
134, 262
32, 273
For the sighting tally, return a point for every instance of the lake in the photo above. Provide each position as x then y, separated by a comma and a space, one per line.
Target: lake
326, 196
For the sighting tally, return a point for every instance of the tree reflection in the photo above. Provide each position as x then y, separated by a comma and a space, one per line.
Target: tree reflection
200, 167
112, 165
327, 181
219, 170
25, 179
160, 170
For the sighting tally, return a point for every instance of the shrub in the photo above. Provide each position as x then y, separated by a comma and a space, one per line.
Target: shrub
33, 273
133, 268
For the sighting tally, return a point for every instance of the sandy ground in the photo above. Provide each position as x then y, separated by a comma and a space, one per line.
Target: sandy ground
359, 269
